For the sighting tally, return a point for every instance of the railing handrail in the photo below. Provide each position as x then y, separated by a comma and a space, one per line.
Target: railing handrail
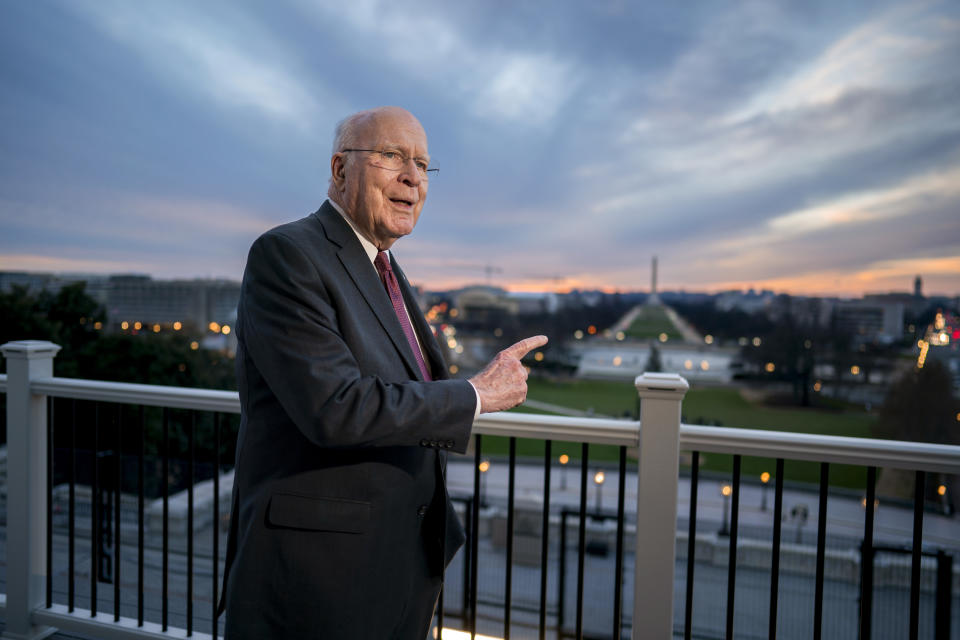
146, 394
730, 440
867, 452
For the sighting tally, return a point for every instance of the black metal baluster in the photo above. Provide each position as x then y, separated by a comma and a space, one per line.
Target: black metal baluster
508, 587
562, 576
140, 515
216, 524
821, 550
691, 544
468, 525
165, 483
116, 515
544, 538
582, 538
71, 525
49, 546
191, 427
866, 558
732, 562
618, 563
473, 536
918, 496
775, 551
95, 512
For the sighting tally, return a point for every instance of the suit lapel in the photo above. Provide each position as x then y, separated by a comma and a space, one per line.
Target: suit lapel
367, 280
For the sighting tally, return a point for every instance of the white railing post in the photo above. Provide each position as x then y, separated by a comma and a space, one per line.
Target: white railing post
661, 395
26, 485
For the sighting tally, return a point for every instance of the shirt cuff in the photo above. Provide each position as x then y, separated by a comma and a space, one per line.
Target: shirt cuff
476, 413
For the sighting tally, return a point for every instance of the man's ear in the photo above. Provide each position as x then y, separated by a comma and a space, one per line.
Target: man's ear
338, 170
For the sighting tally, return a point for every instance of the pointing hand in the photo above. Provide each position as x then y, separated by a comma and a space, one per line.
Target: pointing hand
503, 383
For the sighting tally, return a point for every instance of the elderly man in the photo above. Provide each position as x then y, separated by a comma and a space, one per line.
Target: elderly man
341, 524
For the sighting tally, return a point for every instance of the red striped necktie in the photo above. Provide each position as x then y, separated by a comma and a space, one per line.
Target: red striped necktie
382, 263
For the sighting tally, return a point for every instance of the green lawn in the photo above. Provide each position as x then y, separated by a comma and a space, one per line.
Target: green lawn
712, 405
650, 323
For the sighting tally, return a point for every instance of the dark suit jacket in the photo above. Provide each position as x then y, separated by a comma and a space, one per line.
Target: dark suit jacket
338, 485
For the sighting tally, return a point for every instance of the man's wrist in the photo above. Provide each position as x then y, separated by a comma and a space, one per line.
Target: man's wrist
476, 413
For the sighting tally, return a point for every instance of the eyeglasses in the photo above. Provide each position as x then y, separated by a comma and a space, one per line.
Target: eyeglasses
395, 161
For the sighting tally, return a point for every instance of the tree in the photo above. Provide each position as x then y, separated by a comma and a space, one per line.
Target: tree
921, 407
653, 362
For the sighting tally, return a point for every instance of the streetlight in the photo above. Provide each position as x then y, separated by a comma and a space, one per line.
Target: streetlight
484, 467
598, 479
725, 491
764, 478
564, 459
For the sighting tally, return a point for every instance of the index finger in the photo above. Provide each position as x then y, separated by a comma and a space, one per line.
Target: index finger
525, 346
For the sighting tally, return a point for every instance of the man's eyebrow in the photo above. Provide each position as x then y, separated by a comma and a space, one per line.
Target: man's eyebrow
390, 146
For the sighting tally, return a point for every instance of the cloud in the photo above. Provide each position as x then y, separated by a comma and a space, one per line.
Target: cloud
503, 83
224, 58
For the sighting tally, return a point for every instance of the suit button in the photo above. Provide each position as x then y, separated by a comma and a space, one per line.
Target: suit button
422, 511
449, 444
424, 443
433, 443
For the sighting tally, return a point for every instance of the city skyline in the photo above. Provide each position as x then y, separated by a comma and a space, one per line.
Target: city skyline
809, 149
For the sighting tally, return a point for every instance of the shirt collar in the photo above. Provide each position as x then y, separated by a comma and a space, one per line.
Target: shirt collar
368, 247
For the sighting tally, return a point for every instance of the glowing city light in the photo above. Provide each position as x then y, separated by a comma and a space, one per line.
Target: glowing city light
662, 337
454, 369
817, 386
225, 330
617, 361
765, 477
708, 339
578, 334
591, 329
688, 364
757, 342
484, 466
124, 325
194, 345
156, 328
538, 356
769, 367
704, 365
855, 370
138, 325
726, 490
177, 326
942, 490
564, 458
621, 335
599, 477
214, 327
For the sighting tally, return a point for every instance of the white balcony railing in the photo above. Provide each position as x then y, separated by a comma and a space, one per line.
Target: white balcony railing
658, 436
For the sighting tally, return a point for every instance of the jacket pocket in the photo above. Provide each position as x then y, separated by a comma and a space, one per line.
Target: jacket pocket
318, 514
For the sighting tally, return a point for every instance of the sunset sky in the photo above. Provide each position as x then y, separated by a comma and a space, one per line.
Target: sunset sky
807, 147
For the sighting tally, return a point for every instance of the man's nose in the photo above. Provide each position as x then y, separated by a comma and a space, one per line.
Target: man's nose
409, 173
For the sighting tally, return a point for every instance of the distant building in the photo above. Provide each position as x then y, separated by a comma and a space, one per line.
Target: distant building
140, 298
627, 360
877, 318
194, 303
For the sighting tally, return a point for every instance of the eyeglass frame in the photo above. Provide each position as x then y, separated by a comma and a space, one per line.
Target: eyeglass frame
425, 174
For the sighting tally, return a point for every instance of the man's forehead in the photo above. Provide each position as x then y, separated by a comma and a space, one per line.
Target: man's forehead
399, 128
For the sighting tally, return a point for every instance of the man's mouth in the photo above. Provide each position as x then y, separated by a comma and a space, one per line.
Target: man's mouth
401, 201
